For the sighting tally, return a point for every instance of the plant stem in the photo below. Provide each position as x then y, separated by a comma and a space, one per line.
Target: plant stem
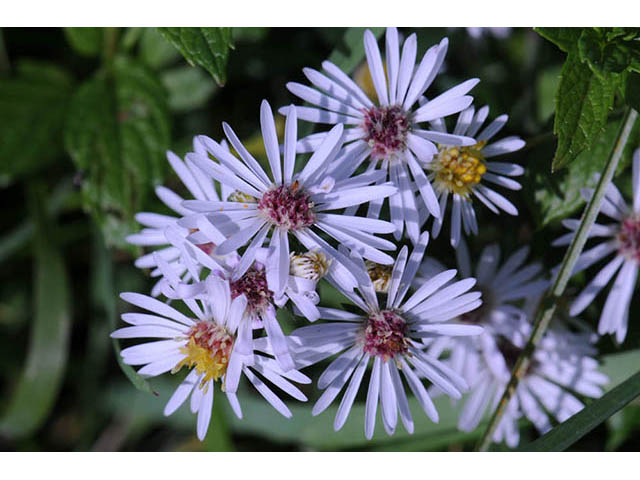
549, 303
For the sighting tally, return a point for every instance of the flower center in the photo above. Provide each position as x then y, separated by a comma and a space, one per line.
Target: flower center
629, 238
288, 206
386, 131
208, 350
385, 335
458, 169
310, 265
253, 285
380, 275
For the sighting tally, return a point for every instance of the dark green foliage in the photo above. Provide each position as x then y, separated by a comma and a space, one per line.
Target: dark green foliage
207, 47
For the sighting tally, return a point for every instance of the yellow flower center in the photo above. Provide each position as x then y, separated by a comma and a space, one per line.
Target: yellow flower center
380, 276
311, 265
238, 196
458, 169
208, 351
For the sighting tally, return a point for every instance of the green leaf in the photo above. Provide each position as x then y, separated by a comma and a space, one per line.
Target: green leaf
207, 47
609, 50
189, 88
46, 359
632, 90
117, 133
565, 38
155, 51
86, 41
354, 42
583, 101
570, 431
32, 103
546, 87
558, 196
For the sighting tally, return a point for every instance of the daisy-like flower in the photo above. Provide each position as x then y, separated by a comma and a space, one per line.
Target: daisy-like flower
463, 172
393, 130
561, 366
622, 239
506, 289
174, 250
215, 346
390, 336
290, 204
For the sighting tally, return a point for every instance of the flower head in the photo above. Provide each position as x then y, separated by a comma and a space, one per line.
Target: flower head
391, 130
392, 337
289, 204
465, 173
622, 239
215, 346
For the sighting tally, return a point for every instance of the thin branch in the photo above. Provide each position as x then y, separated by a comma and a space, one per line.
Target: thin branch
548, 306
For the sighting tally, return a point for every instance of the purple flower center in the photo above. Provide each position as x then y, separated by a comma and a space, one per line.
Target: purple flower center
253, 285
629, 238
385, 335
288, 206
386, 131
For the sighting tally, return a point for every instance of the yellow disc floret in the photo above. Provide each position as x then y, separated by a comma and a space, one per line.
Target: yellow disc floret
380, 276
458, 169
207, 350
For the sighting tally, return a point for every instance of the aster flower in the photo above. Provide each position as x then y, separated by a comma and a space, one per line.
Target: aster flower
392, 131
390, 337
561, 367
506, 290
289, 204
463, 173
215, 346
622, 239
164, 231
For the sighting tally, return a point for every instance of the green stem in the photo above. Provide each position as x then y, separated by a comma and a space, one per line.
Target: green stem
548, 306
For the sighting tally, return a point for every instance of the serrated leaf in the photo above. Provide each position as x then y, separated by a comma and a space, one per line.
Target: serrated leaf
31, 105
46, 358
559, 195
565, 38
570, 431
117, 133
609, 50
354, 42
583, 101
86, 41
188, 88
207, 47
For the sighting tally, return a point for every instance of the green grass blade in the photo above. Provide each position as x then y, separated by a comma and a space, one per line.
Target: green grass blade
41, 379
567, 433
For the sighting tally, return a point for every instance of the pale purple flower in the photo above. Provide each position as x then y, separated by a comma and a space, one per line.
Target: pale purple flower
393, 130
288, 204
390, 337
215, 344
622, 239
463, 173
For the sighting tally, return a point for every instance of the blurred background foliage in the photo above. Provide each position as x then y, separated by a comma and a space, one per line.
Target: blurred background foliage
86, 116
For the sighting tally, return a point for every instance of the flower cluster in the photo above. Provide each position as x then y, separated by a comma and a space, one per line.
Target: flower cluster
250, 240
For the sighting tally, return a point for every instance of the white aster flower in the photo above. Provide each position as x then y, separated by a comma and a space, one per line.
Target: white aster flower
561, 367
622, 238
175, 250
394, 130
506, 291
216, 345
391, 338
290, 204
463, 173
